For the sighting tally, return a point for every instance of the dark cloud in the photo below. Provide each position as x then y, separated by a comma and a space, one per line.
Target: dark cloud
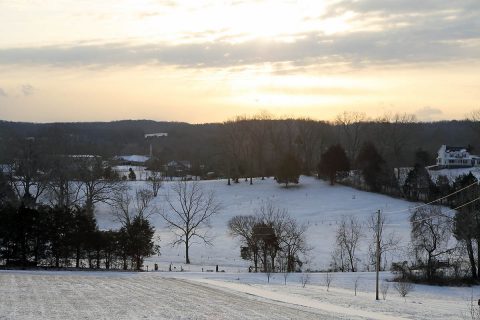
395, 7
429, 113
408, 32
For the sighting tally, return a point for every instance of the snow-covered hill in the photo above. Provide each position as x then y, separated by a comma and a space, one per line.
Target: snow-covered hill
313, 201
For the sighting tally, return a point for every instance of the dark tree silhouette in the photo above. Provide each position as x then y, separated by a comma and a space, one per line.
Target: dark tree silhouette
371, 164
333, 160
288, 170
466, 224
139, 234
419, 185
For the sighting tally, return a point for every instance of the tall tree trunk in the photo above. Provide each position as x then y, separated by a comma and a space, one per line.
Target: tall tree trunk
187, 258
77, 258
471, 257
98, 259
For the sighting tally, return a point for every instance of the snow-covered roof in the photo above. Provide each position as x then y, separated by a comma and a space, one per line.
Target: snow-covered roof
455, 149
133, 158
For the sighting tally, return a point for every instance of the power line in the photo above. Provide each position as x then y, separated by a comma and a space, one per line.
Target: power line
331, 216
451, 210
429, 203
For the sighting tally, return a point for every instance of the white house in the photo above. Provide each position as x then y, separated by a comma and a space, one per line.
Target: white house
456, 157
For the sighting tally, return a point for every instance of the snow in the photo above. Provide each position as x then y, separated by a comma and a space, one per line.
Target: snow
140, 296
133, 158
313, 202
452, 174
184, 295
235, 293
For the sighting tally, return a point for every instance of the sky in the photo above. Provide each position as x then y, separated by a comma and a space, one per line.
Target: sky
208, 61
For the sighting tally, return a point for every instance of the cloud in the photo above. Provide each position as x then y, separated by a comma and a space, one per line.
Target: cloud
315, 91
3, 93
429, 113
27, 90
391, 32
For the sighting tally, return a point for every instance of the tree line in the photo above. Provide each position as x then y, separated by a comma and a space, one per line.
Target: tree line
63, 237
247, 145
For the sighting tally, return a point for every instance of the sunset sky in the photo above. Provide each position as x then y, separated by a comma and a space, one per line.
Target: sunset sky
206, 61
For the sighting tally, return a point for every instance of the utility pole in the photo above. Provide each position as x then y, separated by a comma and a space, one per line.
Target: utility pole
378, 254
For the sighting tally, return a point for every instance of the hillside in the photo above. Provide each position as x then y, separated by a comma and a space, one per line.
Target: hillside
313, 202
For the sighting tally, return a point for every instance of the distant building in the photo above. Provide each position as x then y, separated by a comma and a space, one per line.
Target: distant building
456, 157
133, 159
156, 135
151, 136
178, 168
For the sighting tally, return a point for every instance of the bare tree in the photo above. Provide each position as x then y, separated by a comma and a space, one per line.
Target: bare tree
309, 141
355, 284
268, 271
351, 125
394, 134
29, 173
305, 279
328, 280
473, 309
242, 227
348, 237
389, 242
384, 289
293, 242
270, 235
403, 287
95, 187
234, 148
188, 212
283, 268
127, 206
63, 189
430, 234
155, 180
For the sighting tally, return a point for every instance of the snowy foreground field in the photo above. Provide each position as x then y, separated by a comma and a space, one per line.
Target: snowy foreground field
235, 293
313, 202
183, 295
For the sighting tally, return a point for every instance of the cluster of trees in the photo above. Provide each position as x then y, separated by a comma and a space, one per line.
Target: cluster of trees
351, 232
271, 239
444, 244
47, 206
367, 171
64, 237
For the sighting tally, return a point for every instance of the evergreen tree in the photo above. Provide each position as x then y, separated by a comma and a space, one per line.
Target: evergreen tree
419, 185
131, 175
140, 243
288, 170
371, 163
7, 194
466, 226
333, 160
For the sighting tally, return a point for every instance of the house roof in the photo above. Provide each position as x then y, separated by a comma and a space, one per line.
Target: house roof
454, 149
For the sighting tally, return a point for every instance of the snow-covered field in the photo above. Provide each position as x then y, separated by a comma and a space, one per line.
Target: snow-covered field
235, 293
182, 295
313, 202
